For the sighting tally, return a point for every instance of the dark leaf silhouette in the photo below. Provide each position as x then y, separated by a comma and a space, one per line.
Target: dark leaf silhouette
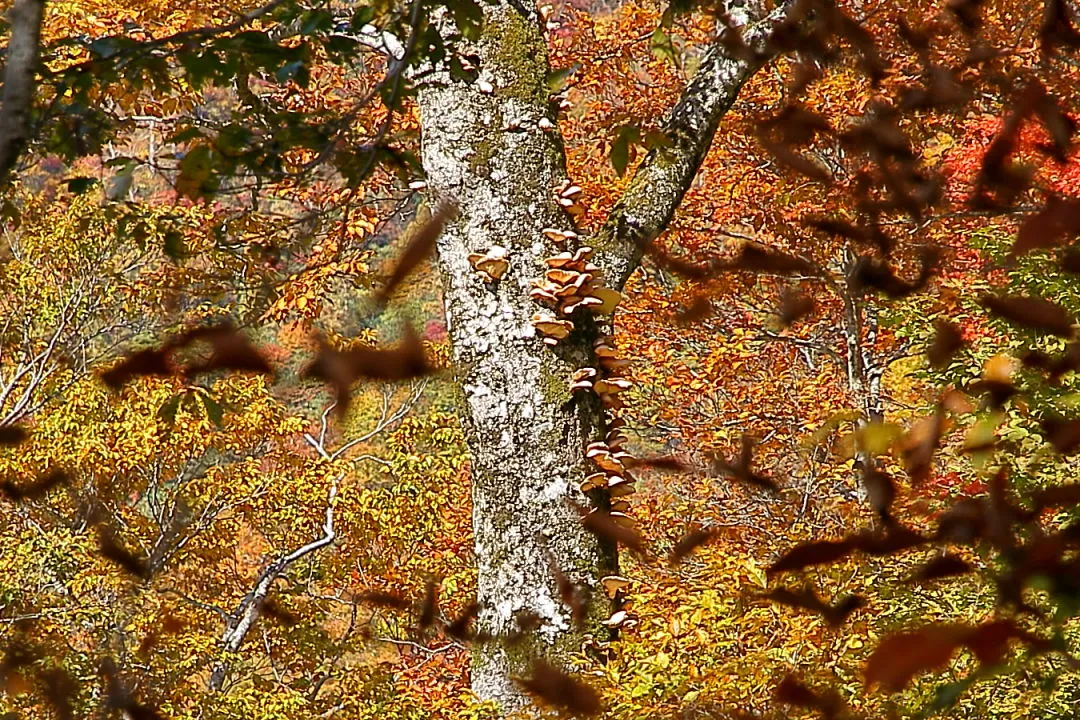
794, 306
807, 599
141, 364
12, 435
793, 691
876, 274
342, 368
689, 543
602, 525
111, 549
429, 608
1064, 435
230, 350
740, 470
35, 490
554, 688
820, 552
384, 599
1031, 312
419, 247
458, 628
901, 656
948, 340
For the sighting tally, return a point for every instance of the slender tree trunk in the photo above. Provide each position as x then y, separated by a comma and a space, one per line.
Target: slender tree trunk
483, 145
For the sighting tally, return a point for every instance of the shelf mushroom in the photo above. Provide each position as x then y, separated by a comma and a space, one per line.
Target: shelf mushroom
492, 264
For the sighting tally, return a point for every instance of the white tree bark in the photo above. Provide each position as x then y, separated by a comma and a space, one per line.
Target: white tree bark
525, 431
485, 145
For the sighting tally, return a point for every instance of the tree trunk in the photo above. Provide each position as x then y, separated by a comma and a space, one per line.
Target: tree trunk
526, 433
485, 145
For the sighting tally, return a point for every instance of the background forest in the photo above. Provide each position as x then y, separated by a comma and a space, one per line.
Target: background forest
214, 543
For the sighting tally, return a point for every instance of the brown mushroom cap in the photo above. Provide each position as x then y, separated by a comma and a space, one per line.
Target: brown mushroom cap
613, 584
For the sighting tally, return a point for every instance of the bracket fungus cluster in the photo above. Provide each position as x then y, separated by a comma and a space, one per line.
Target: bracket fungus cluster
611, 461
491, 265
571, 282
567, 195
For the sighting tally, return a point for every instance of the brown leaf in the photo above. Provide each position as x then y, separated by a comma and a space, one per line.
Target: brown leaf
342, 368
429, 608
459, 626
689, 543
755, 258
60, 690
119, 697
602, 525
111, 549
948, 340
793, 691
230, 350
794, 306
807, 599
271, 608
384, 599
820, 552
1057, 28
36, 489
554, 688
740, 470
880, 490
1064, 435
919, 444
875, 273
1055, 224
140, 364
419, 247
573, 595
12, 435
1056, 496
903, 655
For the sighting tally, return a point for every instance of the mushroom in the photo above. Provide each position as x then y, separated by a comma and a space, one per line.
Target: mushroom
611, 386
623, 519
491, 264
613, 584
585, 302
570, 191
619, 487
621, 506
558, 236
552, 328
609, 300
582, 379
561, 260
593, 482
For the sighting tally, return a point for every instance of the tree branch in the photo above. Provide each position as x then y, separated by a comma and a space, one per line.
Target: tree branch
663, 177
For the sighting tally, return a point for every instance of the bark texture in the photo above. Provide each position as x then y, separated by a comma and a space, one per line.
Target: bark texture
483, 145
19, 68
663, 177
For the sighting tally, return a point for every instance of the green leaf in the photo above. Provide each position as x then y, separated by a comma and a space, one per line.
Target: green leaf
620, 148
662, 46
167, 411
80, 185
214, 410
557, 79
947, 695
